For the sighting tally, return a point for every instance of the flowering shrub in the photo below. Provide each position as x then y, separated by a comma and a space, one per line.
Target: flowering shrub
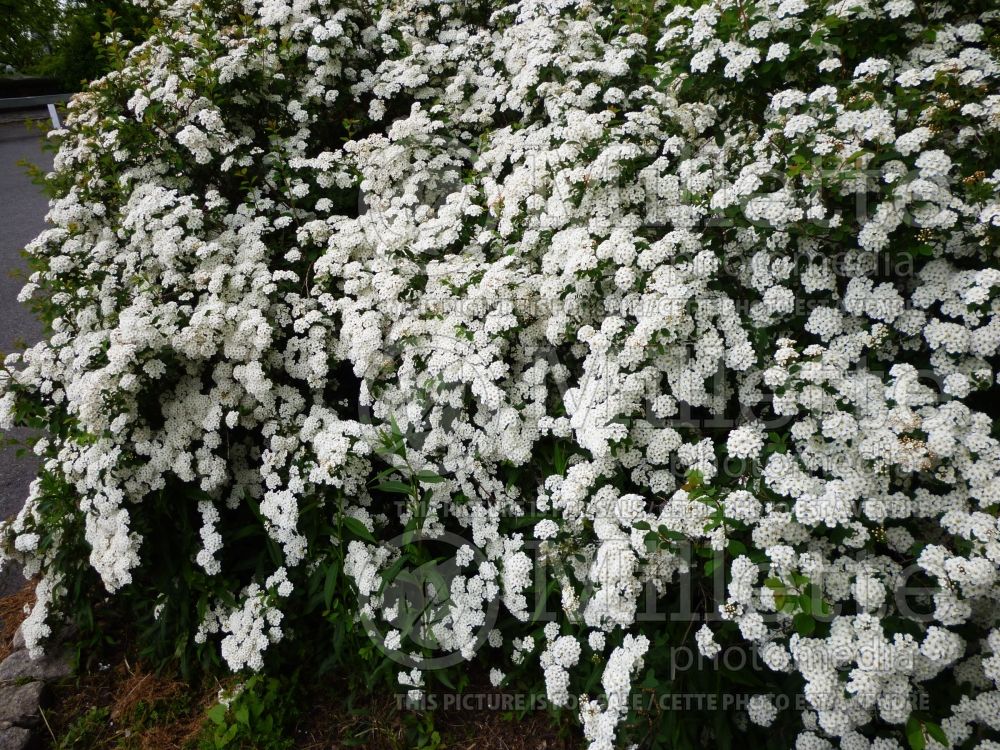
633, 299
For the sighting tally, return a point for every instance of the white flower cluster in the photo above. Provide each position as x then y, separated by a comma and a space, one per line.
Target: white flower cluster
724, 274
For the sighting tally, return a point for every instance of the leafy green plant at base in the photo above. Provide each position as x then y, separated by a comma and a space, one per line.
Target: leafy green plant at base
257, 718
86, 731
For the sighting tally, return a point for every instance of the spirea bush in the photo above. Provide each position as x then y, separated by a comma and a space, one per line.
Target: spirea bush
660, 326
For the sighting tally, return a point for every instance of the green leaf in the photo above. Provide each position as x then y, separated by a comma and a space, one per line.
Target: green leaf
396, 432
936, 732
804, 624
669, 533
694, 479
230, 734
652, 540
391, 573
242, 714
395, 487
649, 680
387, 472
217, 713
328, 585
445, 679
429, 477
805, 603
915, 734
358, 529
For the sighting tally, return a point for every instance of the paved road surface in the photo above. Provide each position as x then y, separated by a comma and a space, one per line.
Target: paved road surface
22, 217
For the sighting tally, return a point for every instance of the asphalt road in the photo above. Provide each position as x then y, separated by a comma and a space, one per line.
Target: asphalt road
22, 217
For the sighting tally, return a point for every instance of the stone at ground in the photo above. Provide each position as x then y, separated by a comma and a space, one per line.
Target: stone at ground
68, 633
15, 738
48, 667
19, 704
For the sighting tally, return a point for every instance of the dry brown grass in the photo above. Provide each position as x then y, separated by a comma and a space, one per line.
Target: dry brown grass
141, 709
137, 688
134, 708
490, 730
376, 723
12, 615
131, 692
126, 690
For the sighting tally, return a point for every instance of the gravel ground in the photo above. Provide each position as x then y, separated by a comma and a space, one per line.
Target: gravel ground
22, 217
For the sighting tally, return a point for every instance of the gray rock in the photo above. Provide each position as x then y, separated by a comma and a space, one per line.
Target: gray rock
19, 703
67, 633
15, 738
51, 666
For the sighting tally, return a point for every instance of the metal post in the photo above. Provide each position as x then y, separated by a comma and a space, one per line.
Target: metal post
55, 116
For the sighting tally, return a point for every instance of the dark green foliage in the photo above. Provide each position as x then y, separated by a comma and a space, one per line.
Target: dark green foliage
80, 54
27, 32
65, 41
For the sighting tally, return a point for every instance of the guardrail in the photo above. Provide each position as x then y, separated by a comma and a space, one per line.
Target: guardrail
32, 102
